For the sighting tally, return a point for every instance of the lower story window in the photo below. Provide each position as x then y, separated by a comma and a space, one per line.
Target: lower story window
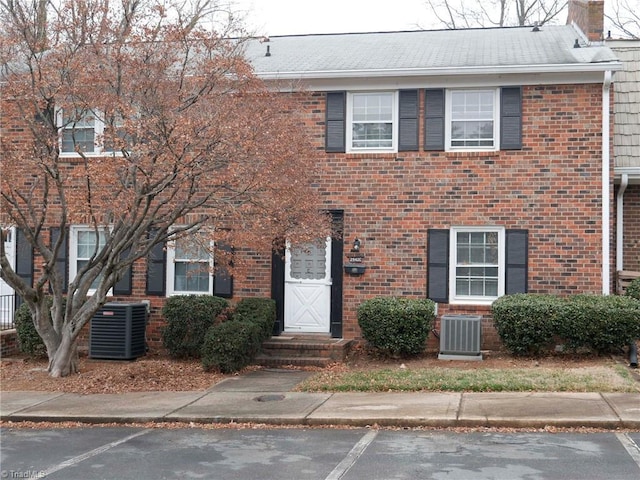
190, 266
477, 266
85, 242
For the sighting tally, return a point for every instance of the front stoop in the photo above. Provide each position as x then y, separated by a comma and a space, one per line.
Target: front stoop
303, 351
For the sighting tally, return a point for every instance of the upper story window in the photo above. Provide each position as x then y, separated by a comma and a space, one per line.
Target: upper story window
372, 121
78, 132
91, 133
472, 120
189, 266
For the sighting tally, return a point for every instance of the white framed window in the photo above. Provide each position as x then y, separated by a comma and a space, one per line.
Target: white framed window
190, 266
86, 131
80, 130
84, 242
477, 265
372, 124
472, 119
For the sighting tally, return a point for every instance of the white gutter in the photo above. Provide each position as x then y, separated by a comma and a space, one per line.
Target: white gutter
606, 167
421, 71
624, 181
631, 172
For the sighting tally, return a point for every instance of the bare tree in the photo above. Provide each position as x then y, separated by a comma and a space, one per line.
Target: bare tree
190, 141
623, 18
454, 14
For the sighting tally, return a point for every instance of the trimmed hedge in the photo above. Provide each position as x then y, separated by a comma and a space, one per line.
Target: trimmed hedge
261, 311
633, 290
528, 324
188, 319
232, 345
29, 341
396, 326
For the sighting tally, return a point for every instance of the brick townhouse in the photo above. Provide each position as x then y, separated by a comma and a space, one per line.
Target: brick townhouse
459, 165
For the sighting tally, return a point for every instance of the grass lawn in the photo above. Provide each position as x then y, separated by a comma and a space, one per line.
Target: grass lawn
607, 377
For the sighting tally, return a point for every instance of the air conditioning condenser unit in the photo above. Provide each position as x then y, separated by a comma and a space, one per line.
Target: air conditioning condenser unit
460, 337
117, 331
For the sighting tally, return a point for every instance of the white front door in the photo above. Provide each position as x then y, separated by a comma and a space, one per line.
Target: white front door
6, 292
307, 289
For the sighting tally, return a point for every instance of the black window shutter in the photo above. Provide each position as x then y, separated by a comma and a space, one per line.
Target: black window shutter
337, 269
62, 262
511, 118
434, 114
277, 289
156, 269
335, 122
517, 260
223, 280
408, 121
24, 258
124, 285
438, 265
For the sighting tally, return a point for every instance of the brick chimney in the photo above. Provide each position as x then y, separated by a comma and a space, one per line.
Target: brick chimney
588, 15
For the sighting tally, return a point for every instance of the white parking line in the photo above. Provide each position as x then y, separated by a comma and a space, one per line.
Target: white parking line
630, 446
92, 453
352, 457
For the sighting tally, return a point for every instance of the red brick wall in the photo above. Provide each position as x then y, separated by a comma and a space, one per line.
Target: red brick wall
589, 16
8, 343
551, 187
632, 228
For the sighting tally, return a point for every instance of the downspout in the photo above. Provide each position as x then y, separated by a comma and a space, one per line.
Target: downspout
624, 181
606, 178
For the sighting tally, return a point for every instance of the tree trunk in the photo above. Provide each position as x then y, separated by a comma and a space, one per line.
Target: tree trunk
65, 359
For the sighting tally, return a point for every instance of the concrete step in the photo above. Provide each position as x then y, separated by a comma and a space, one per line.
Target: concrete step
269, 361
303, 350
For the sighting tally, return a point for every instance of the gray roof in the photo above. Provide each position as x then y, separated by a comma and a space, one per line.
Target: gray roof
427, 52
626, 106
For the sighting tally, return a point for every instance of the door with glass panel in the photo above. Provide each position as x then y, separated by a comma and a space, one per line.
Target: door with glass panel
307, 291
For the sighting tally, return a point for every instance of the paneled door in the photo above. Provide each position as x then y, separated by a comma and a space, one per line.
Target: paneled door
307, 290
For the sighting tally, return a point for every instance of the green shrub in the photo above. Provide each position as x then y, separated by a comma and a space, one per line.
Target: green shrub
633, 290
188, 319
600, 323
396, 326
526, 323
261, 311
230, 346
29, 341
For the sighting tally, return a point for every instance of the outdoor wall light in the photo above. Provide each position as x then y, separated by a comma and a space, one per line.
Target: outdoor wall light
355, 265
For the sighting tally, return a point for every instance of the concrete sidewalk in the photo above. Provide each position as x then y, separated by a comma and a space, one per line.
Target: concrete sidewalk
265, 396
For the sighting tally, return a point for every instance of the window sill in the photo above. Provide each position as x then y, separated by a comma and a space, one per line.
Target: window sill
175, 294
90, 154
473, 302
472, 153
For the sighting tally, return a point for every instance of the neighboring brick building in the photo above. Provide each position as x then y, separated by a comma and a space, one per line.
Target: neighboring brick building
626, 148
461, 165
